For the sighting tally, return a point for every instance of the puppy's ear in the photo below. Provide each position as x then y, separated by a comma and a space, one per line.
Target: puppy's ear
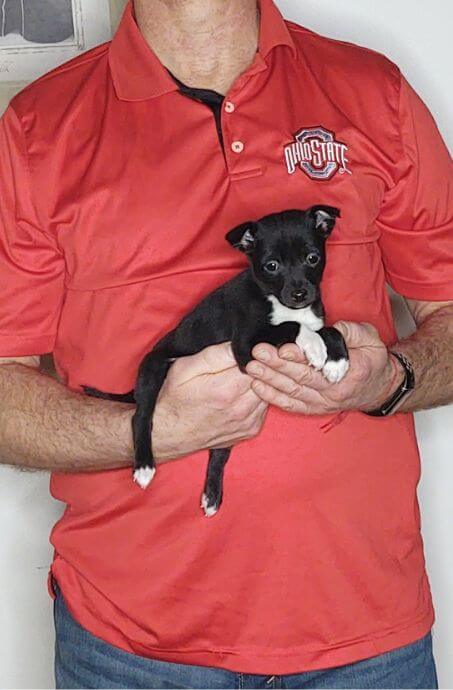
324, 218
242, 237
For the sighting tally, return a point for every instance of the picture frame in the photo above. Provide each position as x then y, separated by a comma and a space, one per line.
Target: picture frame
38, 35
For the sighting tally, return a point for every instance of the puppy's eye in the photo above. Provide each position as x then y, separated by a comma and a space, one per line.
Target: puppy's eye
312, 259
271, 266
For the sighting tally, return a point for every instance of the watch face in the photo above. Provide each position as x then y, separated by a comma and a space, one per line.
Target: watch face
409, 382
402, 392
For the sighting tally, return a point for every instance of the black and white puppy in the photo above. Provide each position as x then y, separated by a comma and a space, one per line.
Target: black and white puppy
276, 300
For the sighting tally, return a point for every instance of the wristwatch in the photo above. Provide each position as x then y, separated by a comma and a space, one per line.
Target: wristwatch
402, 392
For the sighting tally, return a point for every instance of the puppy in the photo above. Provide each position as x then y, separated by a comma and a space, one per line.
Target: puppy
276, 300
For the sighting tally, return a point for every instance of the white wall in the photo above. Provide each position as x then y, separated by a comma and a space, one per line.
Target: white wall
416, 35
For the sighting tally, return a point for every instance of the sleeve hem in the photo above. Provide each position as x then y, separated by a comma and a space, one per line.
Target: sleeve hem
14, 346
436, 292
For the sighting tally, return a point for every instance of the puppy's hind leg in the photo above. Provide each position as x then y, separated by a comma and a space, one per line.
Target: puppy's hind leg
116, 397
152, 373
213, 488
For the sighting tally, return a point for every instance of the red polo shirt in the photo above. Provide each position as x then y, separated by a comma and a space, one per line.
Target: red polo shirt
115, 197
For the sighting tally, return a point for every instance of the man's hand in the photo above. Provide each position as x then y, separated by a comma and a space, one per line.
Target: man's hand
205, 402
283, 378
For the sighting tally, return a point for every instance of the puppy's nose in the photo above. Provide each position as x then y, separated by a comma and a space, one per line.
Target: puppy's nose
299, 294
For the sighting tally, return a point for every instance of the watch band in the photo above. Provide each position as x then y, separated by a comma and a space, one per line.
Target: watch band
401, 393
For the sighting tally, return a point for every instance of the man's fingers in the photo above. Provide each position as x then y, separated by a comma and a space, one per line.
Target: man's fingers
290, 361
264, 352
359, 334
215, 358
288, 377
269, 355
274, 397
211, 360
277, 380
292, 353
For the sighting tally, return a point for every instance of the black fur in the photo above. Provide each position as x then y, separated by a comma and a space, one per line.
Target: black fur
239, 311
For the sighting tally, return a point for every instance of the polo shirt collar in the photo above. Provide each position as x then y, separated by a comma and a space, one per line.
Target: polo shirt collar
137, 72
273, 29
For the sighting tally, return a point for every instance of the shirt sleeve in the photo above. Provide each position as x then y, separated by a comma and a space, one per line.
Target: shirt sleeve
416, 218
31, 266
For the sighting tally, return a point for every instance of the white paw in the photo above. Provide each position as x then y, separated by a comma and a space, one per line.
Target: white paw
316, 353
313, 346
209, 511
144, 476
334, 371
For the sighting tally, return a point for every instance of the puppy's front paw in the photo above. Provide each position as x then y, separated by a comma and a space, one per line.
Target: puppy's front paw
143, 476
313, 347
335, 370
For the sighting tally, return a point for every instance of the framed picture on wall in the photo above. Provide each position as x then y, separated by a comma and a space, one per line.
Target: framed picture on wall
38, 35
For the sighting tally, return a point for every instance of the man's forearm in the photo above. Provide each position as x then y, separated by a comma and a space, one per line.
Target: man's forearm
44, 425
430, 350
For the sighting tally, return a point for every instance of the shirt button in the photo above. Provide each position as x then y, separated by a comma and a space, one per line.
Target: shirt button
229, 107
237, 146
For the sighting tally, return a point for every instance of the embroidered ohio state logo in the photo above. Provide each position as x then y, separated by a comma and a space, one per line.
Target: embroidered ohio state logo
317, 153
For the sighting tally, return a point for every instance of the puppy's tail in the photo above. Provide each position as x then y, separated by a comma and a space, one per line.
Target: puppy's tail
116, 397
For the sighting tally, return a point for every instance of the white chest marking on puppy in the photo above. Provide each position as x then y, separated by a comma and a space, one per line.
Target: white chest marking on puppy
308, 340
304, 317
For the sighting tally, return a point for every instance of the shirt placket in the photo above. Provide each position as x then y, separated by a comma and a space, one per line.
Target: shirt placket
232, 137
238, 160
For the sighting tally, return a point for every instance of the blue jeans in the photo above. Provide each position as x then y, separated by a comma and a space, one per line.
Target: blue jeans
84, 661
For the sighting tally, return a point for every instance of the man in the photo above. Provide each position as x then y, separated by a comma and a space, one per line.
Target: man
121, 173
